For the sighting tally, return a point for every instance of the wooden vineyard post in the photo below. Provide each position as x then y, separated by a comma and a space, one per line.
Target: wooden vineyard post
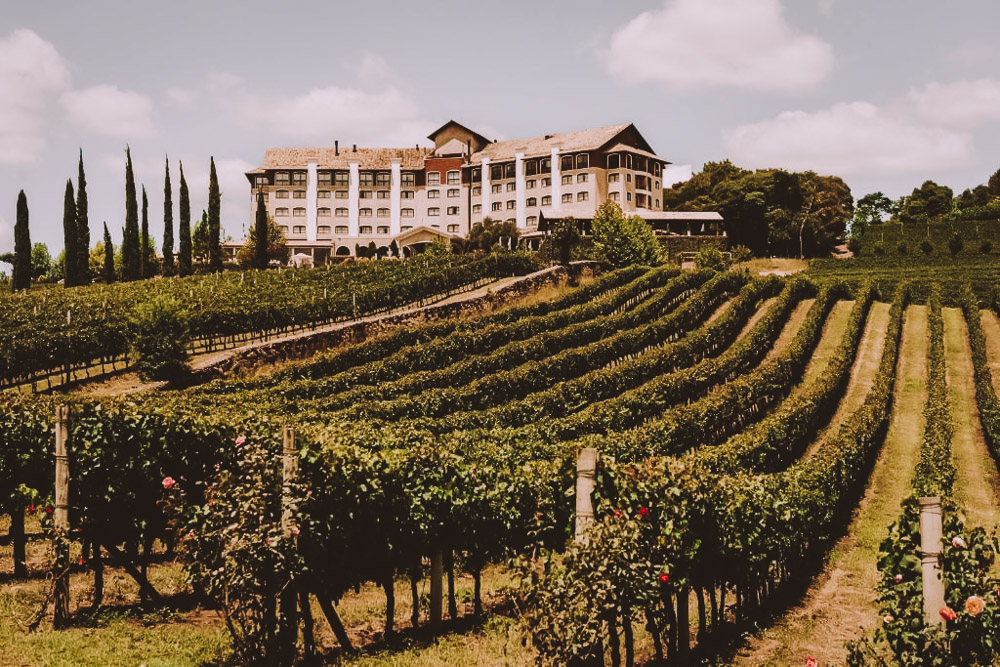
930, 559
289, 621
586, 469
436, 597
60, 599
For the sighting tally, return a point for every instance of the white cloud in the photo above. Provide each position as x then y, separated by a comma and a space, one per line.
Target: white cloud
962, 104
182, 96
108, 110
6, 237
31, 73
676, 173
711, 43
847, 139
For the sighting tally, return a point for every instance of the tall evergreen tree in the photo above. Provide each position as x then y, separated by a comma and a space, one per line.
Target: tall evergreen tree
109, 257
260, 233
130, 239
214, 224
144, 268
22, 246
82, 228
71, 256
168, 223
184, 220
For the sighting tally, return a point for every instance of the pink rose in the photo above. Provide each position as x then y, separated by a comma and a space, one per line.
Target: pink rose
899, 578
295, 531
958, 542
811, 662
240, 440
168, 483
948, 614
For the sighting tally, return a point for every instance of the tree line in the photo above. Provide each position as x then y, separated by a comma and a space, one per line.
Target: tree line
136, 259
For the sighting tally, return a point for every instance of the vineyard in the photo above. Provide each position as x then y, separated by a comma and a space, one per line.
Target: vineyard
737, 421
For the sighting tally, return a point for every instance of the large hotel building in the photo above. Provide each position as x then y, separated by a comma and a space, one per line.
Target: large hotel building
330, 200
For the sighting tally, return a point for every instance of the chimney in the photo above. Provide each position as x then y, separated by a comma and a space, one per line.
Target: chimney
336, 147
355, 148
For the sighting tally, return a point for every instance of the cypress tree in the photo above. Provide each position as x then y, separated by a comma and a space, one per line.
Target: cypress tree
71, 257
144, 239
22, 246
168, 223
109, 257
214, 225
260, 233
82, 228
130, 239
184, 214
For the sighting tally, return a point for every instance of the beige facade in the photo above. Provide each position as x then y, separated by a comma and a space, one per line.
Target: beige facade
330, 200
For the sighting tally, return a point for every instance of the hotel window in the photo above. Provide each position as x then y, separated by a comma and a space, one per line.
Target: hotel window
365, 194
341, 194
454, 177
261, 181
510, 171
284, 230
545, 165
281, 194
529, 184
406, 194
406, 212
511, 204
476, 191
530, 168
531, 220
546, 182
383, 179
323, 230
436, 226
342, 178
434, 210
656, 169
629, 196
628, 160
324, 178
566, 163
406, 228
281, 178
547, 200
433, 178
477, 208
367, 179
382, 229
365, 229
452, 210
280, 212
511, 186
614, 161
299, 229
477, 175
530, 201
383, 213
628, 177
452, 228
496, 206
641, 164
365, 213
656, 185
496, 187
299, 212
408, 179
613, 196
453, 192
567, 197
323, 212
496, 172
433, 194
582, 178
582, 196
323, 194
299, 194
382, 194
614, 178
298, 178
583, 161
340, 229
341, 212
567, 179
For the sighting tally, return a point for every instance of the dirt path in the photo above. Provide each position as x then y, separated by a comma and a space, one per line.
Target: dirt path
791, 328
833, 331
977, 486
991, 331
843, 597
866, 363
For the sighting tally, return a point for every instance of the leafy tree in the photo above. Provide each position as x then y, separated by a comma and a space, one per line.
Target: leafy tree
131, 269
955, 244
489, 232
622, 241
82, 227
161, 334
929, 201
871, 209
275, 247
564, 236
978, 196
145, 266
710, 257
71, 270
41, 260
21, 279
168, 223
993, 184
184, 259
214, 223
199, 238
109, 257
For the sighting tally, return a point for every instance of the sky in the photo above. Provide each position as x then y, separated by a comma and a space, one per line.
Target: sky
884, 94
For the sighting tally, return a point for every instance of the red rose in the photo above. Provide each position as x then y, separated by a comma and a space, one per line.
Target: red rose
80, 561
664, 578
948, 614
811, 662
644, 512
48, 510
617, 512
168, 483
31, 508
899, 578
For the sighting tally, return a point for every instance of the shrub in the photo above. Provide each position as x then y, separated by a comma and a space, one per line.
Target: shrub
986, 247
879, 248
854, 245
901, 247
160, 336
740, 253
955, 244
926, 247
710, 258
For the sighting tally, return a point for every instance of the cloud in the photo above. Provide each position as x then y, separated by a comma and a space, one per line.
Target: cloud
962, 104
31, 73
108, 110
182, 96
6, 236
714, 43
676, 173
848, 139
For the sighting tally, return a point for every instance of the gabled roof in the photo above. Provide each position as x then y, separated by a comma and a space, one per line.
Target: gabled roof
598, 138
452, 147
451, 123
422, 229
